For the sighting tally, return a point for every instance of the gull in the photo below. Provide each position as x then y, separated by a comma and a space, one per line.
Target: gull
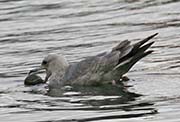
107, 67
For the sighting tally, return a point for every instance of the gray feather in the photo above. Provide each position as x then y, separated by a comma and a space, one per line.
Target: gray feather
108, 66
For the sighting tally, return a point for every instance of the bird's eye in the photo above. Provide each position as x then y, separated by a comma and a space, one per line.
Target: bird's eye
44, 62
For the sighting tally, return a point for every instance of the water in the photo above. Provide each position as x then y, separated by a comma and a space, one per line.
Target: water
29, 30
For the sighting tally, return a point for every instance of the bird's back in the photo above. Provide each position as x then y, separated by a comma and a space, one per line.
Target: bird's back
105, 67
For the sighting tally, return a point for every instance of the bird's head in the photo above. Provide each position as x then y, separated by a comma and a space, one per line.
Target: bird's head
52, 64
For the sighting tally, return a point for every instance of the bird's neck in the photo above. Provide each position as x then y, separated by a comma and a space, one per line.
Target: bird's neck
57, 75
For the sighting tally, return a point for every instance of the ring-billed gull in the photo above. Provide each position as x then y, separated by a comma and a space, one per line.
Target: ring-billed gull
102, 68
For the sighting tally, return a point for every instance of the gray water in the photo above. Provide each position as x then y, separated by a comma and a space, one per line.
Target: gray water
30, 29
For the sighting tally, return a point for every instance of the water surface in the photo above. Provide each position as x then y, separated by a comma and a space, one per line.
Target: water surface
29, 30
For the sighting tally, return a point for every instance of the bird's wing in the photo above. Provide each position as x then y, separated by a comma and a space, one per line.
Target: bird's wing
109, 65
84, 67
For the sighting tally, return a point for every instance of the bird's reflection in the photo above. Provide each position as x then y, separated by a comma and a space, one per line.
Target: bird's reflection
101, 95
108, 97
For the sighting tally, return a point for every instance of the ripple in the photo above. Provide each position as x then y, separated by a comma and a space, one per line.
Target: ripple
78, 29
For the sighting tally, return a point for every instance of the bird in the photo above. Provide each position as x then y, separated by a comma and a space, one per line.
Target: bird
104, 68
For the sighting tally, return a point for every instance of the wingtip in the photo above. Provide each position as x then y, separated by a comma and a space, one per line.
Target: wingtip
151, 43
145, 40
151, 36
154, 35
145, 54
150, 51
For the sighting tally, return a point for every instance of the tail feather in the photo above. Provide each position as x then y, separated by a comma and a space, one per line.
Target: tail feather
121, 45
139, 44
138, 47
137, 57
145, 47
138, 51
125, 66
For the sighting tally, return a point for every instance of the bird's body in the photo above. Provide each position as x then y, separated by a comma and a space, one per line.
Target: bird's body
102, 68
94, 70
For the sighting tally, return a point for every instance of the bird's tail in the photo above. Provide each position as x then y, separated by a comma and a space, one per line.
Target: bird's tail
137, 52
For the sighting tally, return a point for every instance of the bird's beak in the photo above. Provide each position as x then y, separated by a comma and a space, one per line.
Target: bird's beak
36, 70
39, 69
